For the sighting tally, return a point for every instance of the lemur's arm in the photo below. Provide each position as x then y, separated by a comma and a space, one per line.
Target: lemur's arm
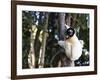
61, 43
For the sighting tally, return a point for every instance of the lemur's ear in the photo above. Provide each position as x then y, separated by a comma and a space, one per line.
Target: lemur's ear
67, 26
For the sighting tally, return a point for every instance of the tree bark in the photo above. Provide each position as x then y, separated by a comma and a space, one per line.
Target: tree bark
42, 53
62, 25
31, 56
68, 19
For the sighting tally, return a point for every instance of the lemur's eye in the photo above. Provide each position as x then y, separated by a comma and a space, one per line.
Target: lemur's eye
69, 32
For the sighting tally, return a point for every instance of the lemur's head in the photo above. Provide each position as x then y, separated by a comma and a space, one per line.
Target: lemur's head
69, 32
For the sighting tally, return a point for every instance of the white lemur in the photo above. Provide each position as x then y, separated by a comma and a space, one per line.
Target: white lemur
71, 44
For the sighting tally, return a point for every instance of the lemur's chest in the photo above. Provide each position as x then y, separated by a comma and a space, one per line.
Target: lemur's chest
67, 47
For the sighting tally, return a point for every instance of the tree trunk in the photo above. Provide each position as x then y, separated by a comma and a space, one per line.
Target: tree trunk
68, 19
62, 25
31, 56
42, 53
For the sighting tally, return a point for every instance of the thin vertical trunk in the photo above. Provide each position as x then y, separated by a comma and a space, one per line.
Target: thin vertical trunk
68, 19
62, 24
31, 56
42, 53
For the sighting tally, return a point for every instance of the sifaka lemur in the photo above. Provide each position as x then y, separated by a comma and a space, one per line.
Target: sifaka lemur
72, 45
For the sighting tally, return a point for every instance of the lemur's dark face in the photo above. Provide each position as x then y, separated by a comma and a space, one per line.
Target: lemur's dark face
69, 33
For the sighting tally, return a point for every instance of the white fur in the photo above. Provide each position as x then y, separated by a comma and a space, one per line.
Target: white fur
72, 46
73, 51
